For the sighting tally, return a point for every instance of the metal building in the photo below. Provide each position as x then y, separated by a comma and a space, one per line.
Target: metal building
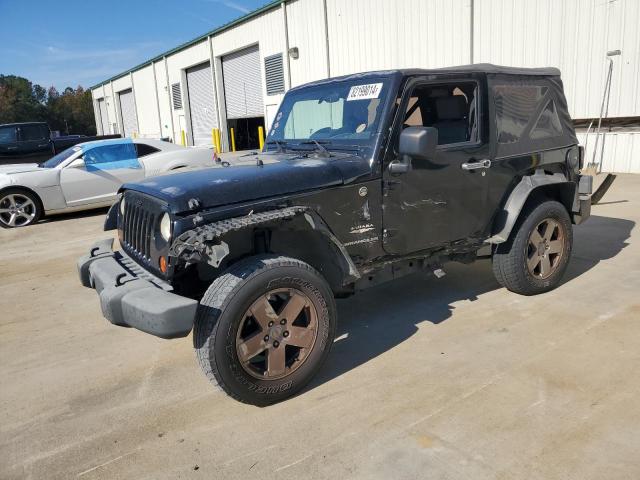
234, 77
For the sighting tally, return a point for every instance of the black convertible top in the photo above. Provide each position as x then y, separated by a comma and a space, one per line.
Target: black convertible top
486, 68
491, 68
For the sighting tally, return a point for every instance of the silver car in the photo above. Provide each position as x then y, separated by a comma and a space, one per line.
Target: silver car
87, 176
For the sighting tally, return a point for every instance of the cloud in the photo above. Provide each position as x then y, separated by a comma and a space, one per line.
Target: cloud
234, 5
62, 66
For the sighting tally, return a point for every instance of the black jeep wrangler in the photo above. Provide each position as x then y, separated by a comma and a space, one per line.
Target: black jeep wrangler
363, 179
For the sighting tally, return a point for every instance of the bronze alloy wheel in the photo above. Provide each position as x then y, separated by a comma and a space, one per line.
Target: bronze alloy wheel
545, 248
277, 333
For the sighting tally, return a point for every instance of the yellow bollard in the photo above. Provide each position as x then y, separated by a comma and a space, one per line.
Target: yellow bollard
184, 140
218, 142
233, 140
261, 137
215, 137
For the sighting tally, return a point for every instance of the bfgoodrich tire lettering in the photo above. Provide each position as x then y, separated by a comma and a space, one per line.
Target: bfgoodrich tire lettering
223, 311
523, 264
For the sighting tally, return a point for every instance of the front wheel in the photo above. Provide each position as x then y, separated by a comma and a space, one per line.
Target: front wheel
18, 208
537, 253
264, 328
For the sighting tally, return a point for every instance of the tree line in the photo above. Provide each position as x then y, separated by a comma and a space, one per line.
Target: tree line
70, 112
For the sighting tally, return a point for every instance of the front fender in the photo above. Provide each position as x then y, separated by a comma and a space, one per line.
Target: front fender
204, 243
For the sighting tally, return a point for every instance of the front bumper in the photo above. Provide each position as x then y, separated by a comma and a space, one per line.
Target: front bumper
132, 297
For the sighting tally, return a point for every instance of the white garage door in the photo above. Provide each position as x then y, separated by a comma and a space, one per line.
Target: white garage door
128, 111
242, 83
201, 104
104, 118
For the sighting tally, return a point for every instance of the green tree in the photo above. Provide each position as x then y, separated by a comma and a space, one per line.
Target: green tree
70, 112
18, 101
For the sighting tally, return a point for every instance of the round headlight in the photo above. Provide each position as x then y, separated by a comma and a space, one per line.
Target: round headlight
165, 227
122, 206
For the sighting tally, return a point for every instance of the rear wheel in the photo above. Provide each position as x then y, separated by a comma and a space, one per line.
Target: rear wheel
18, 208
537, 253
264, 328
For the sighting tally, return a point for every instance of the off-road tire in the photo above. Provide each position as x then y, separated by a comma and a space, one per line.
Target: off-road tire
510, 258
37, 206
223, 308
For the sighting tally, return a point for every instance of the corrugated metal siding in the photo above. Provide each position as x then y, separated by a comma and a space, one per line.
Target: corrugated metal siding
573, 35
202, 106
309, 37
128, 112
243, 83
381, 34
146, 103
621, 150
104, 117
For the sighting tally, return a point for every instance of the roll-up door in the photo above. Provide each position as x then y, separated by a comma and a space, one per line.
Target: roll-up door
128, 112
104, 118
201, 103
242, 83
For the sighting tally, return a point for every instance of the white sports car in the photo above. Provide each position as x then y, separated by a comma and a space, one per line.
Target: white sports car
88, 176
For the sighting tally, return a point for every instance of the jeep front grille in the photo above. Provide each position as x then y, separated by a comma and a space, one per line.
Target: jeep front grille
137, 228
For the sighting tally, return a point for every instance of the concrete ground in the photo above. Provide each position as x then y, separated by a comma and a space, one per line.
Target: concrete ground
439, 379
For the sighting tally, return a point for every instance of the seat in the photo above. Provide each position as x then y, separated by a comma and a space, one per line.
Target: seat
452, 123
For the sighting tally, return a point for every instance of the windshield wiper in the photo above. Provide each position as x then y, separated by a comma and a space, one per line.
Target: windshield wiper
319, 146
281, 144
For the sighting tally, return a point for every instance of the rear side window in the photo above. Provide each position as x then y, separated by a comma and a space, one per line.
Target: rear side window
515, 106
33, 133
548, 124
7, 135
143, 149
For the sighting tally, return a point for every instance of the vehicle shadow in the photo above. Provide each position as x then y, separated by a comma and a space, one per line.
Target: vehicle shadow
382, 317
102, 211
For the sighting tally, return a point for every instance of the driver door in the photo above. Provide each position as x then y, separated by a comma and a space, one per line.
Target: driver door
96, 177
441, 199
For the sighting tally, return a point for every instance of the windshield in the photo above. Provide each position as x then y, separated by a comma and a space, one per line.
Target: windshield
53, 162
346, 112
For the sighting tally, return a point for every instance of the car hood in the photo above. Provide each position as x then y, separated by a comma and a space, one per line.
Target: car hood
246, 180
19, 168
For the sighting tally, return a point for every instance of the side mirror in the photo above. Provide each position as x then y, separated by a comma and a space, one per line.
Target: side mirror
77, 163
418, 142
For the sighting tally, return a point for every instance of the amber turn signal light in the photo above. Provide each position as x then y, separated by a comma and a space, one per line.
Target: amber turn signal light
163, 264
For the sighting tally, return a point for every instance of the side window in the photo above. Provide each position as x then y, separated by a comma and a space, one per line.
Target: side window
451, 108
110, 157
515, 107
30, 133
548, 124
143, 149
7, 135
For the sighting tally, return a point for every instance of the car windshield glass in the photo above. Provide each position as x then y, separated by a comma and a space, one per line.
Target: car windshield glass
53, 162
346, 112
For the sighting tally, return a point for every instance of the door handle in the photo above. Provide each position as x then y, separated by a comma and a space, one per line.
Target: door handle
12, 148
399, 167
486, 163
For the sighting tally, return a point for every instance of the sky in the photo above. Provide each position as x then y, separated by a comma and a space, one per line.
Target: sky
67, 43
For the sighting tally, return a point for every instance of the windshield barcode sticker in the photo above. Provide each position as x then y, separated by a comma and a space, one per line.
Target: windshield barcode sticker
364, 92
